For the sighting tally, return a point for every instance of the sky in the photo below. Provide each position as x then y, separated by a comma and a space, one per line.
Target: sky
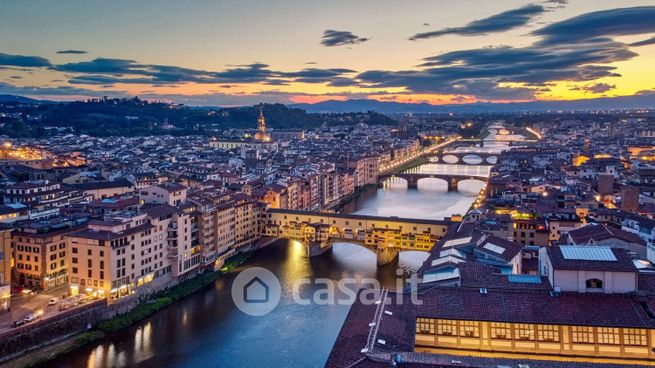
227, 53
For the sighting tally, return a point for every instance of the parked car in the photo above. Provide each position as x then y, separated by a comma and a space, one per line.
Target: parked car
52, 301
17, 323
31, 317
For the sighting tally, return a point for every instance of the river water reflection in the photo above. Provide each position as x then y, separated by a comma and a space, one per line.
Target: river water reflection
207, 330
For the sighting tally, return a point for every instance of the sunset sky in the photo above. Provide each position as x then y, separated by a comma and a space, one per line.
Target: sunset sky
227, 53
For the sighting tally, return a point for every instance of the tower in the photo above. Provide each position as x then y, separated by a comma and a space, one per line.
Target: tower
261, 128
630, 198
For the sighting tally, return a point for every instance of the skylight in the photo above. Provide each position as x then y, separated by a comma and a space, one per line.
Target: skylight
588, 253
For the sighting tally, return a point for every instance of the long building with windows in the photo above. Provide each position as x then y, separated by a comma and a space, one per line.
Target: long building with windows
536, 323
480, 327
589, 307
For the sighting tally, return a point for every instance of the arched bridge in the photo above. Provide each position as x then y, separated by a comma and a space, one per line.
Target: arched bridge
466, 157
412, 179
386, 236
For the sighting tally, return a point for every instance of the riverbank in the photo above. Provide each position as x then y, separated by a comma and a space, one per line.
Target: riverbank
353, 196
409, 165
155, 303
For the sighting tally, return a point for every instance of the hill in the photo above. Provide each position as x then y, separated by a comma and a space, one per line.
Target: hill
17, 99
130, 117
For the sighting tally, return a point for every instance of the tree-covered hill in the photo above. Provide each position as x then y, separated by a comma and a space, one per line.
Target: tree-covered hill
128, 117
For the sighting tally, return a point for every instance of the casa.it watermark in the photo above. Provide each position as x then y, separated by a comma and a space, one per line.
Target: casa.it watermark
257, 291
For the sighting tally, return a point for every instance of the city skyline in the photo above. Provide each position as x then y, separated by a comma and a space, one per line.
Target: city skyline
237, 54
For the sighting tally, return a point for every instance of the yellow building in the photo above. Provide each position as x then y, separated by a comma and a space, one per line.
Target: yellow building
5, 269
535, 325
40, 253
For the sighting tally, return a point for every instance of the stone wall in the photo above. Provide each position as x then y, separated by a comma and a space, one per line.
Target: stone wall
49, 331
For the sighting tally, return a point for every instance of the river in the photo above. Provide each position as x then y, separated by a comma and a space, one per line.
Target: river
207, 330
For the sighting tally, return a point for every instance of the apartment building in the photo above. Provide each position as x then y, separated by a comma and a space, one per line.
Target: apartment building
40, 252
113, 257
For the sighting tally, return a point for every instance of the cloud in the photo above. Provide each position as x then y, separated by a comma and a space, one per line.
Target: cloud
340, 38
580, 49
646, 42
496, 23
111, 71
100, 65
597, 88
23, 61
600, 24
475, 71
316, 75
105, 71
73, 52
53, 91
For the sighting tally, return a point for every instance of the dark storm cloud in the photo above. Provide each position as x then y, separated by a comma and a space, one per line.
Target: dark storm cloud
600, 24
496, 23
340, 38
72, 52
23, 61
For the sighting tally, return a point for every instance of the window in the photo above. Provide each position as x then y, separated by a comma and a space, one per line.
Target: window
524, 331
425, 326
608, 335
634, 336
469, 329
582, 334
547, 333
594, 284
446, 327
500, 331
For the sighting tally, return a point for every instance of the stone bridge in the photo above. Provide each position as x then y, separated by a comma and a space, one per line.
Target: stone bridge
386, 236
412, 179
474, 157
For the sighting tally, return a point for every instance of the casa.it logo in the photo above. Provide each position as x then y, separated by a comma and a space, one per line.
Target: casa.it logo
256, 291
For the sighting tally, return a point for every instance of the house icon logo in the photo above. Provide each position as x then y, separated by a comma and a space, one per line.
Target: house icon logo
256, 291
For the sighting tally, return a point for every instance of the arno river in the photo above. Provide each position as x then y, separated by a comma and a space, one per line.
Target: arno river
207, 330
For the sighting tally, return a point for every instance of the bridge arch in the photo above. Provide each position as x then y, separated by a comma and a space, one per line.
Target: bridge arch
472, 159
450, 159
492, 160
430, 184
470, 186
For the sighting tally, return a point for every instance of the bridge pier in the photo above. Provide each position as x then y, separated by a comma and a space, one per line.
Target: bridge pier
386, 255
315, 248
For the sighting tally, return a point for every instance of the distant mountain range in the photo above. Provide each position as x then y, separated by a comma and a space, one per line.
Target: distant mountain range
643, 100
646, 100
